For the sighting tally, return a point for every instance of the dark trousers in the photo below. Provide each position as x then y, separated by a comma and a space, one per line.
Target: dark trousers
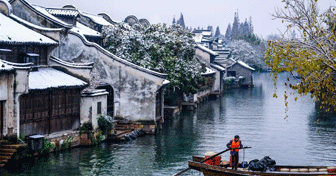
235, 159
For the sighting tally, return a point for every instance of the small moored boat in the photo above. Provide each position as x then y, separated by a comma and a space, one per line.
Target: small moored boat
212, 170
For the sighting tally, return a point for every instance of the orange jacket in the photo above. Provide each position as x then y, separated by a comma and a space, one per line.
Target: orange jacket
235, 144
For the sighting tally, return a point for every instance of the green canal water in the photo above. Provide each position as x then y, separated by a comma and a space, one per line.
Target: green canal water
252, 113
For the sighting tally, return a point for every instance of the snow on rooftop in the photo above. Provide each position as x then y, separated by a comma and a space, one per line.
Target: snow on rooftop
206, 33
218, 67
208, 71
14, 33
34, 25
52, 17
165, 82
98, 19
5, 50
46, 78
198, 37
207, 50
5, 67
84, 30
245, 65
62, 11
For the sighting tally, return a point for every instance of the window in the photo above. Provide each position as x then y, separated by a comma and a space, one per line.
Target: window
5, 54
231, 73
32, 57
99, 107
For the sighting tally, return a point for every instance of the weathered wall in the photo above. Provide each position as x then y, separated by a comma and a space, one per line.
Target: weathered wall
217, 83
89, 111
206, 57
6, 86
12, 85
202, 55
134, 90
22, 11
21, 87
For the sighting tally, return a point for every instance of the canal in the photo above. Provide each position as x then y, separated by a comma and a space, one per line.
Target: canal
252, 113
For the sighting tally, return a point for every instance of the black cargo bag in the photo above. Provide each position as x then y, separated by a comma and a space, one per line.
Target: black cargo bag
264, 164
255, 165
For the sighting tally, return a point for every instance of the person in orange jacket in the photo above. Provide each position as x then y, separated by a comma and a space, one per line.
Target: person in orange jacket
234, 145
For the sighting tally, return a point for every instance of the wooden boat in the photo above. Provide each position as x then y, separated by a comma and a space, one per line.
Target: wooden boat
210, 170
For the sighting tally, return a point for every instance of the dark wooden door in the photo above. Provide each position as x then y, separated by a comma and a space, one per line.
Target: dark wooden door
45, 112
158, 101
110, 99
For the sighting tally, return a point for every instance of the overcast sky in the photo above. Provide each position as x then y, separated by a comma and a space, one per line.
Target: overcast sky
196, 13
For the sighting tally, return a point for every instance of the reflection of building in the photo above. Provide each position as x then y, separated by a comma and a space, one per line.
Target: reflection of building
135, 93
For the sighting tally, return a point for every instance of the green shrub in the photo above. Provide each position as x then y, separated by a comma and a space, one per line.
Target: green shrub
47, 146
105, 124
86, 127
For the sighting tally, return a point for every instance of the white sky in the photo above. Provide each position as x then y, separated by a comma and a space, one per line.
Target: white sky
196, 12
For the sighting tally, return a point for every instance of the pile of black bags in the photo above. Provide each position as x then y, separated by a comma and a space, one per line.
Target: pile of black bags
264, 164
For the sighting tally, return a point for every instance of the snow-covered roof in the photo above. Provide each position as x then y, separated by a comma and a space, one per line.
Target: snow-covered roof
230, 62
94, 92
197, 37
206, 33
229, 78
84, 30
218, 67
208, 72
205, 39
44, 12
165, 82
5, 50
34, 26
88, 65
11, 32
244, 65
207, 50
5, 67
46, 78
225, 62
63, 11
97, 19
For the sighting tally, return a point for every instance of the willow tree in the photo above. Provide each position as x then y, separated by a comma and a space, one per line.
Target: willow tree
311, 56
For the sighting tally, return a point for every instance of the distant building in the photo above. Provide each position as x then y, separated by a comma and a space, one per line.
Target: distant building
208, 56
238, 72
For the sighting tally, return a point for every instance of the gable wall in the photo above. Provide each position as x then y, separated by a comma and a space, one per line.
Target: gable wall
134, 90
22, 11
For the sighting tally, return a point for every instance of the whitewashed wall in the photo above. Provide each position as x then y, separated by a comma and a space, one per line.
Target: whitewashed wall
134, 89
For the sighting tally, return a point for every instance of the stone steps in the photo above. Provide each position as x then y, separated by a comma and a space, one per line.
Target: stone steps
13, 146
7, 154
2, 157
7, 151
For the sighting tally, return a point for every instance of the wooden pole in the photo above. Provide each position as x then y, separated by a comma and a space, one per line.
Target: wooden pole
185, 170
